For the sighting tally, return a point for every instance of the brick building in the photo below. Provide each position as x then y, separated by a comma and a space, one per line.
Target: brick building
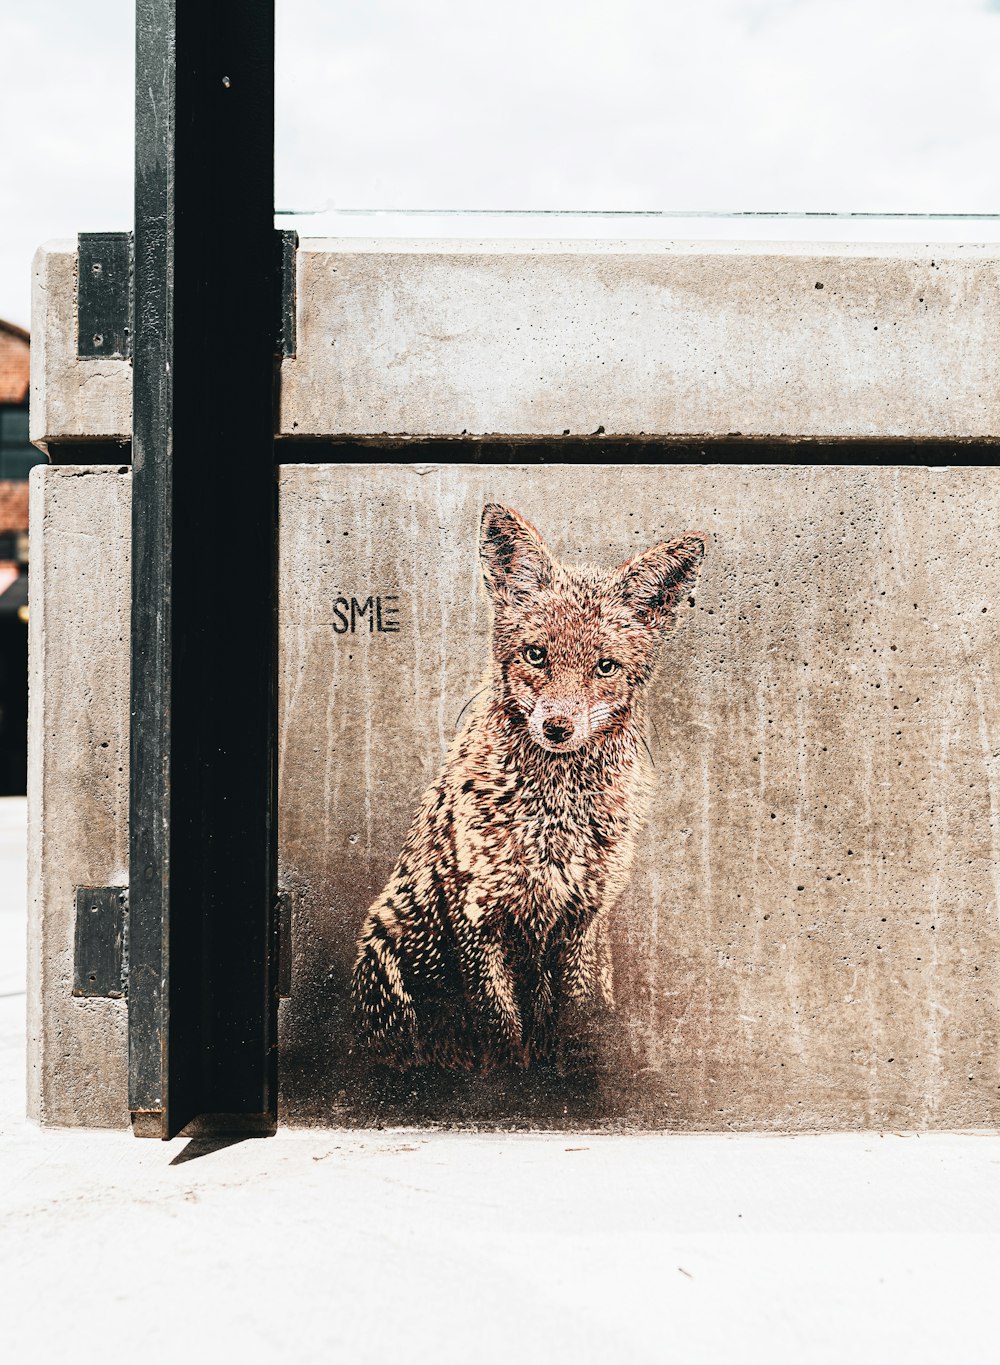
17, 455
13, 363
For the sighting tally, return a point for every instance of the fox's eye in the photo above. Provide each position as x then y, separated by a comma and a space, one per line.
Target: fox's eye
607, 667
535, 655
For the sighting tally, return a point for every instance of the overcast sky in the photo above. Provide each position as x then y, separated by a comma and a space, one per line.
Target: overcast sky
558, 104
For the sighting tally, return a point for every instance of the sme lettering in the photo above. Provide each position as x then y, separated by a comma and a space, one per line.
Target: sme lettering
376, 614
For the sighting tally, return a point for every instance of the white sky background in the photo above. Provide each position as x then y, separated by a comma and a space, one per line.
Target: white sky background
874, 105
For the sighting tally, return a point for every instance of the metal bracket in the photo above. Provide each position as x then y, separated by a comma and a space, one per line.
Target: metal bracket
100, 960
103, 296
288, 243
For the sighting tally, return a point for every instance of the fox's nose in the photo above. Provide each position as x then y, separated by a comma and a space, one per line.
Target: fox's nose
558, 729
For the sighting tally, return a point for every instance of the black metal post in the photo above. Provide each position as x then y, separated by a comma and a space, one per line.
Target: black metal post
202, 1004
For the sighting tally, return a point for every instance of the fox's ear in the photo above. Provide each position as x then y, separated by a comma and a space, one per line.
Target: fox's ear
654, 583
515, 558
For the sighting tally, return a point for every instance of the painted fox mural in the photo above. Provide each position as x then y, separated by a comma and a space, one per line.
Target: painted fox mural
488, 948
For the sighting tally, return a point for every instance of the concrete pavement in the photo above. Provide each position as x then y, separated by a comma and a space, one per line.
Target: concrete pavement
386, 1247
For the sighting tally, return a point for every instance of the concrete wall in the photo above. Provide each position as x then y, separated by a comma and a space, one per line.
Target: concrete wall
77, 781
71, 399
546, 338
811, 937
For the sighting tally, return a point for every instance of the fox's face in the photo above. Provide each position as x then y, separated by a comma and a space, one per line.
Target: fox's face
573, 648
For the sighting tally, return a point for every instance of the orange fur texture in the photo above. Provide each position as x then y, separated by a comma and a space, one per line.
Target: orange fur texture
488, 948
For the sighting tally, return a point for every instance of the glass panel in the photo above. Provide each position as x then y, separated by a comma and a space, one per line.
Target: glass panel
66, 118
646, 226
13, 426
17, 464
698, 107
17, 454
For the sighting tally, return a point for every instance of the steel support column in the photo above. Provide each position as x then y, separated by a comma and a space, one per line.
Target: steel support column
202, 807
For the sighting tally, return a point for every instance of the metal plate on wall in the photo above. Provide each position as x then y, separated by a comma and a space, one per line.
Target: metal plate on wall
100, 941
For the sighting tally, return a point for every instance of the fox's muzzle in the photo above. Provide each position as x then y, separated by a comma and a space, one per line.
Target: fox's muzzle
559, 725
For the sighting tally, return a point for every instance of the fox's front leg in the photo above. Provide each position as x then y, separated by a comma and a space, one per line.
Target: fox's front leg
492, 993
585, 971
586, 996
385, 1018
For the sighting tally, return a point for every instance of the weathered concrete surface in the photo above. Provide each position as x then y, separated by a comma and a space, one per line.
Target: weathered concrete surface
671, 338
540, 339
77, 781
811, 937
71, 399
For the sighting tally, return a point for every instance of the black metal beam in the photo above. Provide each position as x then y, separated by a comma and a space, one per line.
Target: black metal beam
202, 999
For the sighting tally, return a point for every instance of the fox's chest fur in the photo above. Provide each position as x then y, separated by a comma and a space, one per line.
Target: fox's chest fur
539, 841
